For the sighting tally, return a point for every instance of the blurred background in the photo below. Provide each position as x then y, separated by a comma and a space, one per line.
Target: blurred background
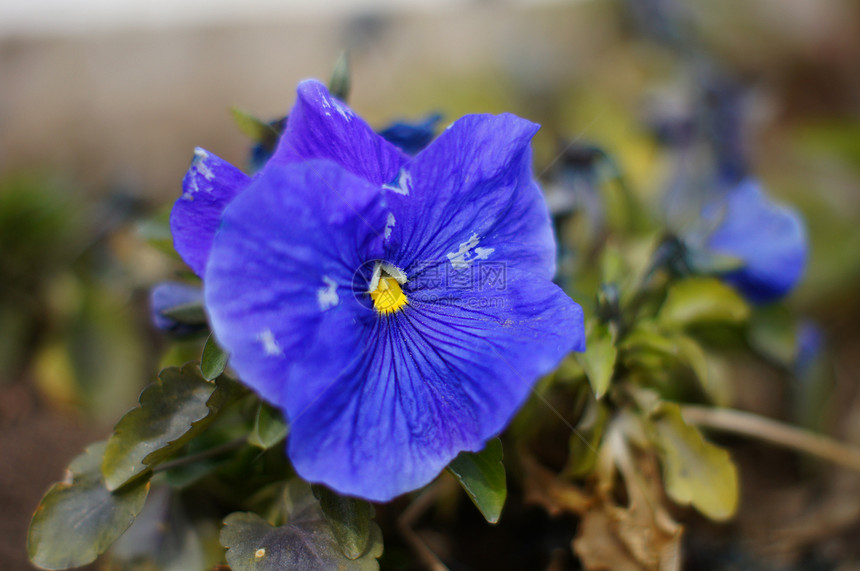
102, 103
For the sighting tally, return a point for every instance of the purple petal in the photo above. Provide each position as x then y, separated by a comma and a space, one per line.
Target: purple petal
208, 187
282, 268
323, 127
441, 376
471, 196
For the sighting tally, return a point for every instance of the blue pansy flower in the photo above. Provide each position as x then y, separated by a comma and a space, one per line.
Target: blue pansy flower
397, 309
767, 238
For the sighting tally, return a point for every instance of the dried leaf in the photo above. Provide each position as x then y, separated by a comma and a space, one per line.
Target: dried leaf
639, 537
546, 489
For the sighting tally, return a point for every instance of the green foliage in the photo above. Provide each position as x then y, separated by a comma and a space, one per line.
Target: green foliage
350, 520
305, 541
155, 231
694, 470
482, 475
99, 345
41, 228
213, 361
671, 348
163, 537
79, 518
269, 427
189, 313
699, 300
599, 358
172, 411
340, 82
773, 333
257, 130
585, 442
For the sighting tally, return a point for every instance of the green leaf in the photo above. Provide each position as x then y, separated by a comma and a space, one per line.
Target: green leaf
704, 262
156, 232
256, 129
691, 354
708, 368
647, 341
773, 333
482, 475
254, 545
79, 518
269, 428
694, 470
585, 442
177, 407
339, 85
349, 519
700, 300
612, 265
599, 357
162, 538
213, 361
306, 541
191, 313
648, 336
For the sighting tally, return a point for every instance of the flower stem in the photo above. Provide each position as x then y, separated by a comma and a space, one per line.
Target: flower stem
414, 511
787, 436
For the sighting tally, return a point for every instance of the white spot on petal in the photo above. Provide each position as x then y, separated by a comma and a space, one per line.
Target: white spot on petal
327, 296
331, 104
344, 111
468, 253
200, 165
389, 225
270, 344
403, 184
198, 168
483, 253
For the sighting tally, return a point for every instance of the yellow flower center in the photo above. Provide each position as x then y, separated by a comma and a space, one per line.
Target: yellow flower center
388, 296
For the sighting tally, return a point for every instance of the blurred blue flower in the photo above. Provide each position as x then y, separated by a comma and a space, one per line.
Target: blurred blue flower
767, 238
574, 182
810, 344
397, 309
168, 296
412, 137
